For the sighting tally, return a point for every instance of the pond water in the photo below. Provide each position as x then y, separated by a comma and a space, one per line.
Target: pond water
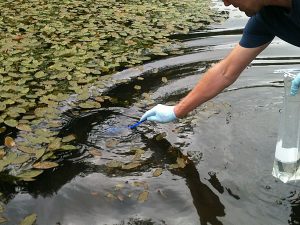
230, 142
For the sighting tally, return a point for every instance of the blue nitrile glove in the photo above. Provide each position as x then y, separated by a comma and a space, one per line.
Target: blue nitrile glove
295, 85
160, 113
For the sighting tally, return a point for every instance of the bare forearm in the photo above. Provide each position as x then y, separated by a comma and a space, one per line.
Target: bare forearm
212, 83
216, 79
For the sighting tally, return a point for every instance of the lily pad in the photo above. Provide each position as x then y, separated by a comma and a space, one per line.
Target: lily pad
157, 172
143, 196
131, 165
69, 138
44, 165
11, 122
29, 220
29, 174
23, 127
9, 142
68, 147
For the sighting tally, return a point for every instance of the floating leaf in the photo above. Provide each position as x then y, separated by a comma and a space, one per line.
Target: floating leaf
90, 105
44, 165
68, 147
119, 186
29, 174
23, 127
26, 149
131, 165
2, 106
114, 164
143, 196
11, 122
9, 142
174, 166
111, 143
2, 129
21, 159
29, 220
55, 144
181, 162
69, 138
164, 79
2, 153
39, 153
40, 74
95, 152
137, 87
157, 172
161, 136
111, 196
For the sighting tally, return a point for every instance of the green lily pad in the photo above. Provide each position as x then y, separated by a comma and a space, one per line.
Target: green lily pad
2, 106
68, 147
29, 220
29, 174
21, 159
11, 122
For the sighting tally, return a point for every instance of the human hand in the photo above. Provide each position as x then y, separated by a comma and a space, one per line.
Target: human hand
249, 7
295, 85
160, 113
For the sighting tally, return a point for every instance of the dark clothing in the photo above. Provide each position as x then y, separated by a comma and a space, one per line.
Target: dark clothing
273, 21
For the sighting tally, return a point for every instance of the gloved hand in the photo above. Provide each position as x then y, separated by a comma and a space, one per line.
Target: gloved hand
160, 113
295, 85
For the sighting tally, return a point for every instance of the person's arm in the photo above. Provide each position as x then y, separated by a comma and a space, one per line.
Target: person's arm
216, 79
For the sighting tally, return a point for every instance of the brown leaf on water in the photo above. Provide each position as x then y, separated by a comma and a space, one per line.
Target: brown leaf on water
143, 196
111, 143
9, 142
181, 162
95, 152
131, 165
157, 172
44, 165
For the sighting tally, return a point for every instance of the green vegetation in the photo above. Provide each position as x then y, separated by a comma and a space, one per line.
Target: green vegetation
52, 49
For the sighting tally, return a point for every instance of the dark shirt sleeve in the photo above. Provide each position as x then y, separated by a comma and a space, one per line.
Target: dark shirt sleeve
295, 12
255, 33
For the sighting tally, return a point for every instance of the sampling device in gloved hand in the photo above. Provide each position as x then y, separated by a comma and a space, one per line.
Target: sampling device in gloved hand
136, 124
287, 154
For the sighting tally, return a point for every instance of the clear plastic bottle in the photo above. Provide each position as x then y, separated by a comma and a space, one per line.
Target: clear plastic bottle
287, 154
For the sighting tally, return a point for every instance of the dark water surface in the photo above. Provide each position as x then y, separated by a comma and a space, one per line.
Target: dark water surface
230, 140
